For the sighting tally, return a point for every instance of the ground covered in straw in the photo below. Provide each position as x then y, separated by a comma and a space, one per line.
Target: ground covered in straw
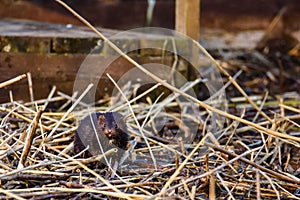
254, 155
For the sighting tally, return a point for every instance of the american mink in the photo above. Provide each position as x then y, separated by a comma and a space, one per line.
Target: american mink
110, 130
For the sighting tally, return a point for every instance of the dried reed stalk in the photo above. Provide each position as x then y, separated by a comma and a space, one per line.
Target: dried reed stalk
11, 81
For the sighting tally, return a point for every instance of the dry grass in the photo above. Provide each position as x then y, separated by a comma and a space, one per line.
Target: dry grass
37, 162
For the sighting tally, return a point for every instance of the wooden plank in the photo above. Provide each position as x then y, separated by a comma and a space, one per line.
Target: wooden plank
60, 70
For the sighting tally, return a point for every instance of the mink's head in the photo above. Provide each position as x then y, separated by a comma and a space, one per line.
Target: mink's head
111, 123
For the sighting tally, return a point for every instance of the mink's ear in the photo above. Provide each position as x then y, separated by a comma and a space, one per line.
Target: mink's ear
100, 118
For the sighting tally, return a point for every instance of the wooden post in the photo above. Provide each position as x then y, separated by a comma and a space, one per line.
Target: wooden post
187, 20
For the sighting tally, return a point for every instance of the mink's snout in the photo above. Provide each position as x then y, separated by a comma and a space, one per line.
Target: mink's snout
109, 132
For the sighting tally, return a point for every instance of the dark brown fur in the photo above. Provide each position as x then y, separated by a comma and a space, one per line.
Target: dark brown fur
111, 131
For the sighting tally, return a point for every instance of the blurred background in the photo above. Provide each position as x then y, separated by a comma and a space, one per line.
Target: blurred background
43, 38
126, 14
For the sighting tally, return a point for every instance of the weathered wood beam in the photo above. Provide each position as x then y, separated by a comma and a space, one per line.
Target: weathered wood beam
187, 20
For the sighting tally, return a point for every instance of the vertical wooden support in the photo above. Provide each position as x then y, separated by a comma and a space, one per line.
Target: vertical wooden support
187, 20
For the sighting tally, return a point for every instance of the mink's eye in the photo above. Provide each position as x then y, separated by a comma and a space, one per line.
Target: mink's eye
115, 125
